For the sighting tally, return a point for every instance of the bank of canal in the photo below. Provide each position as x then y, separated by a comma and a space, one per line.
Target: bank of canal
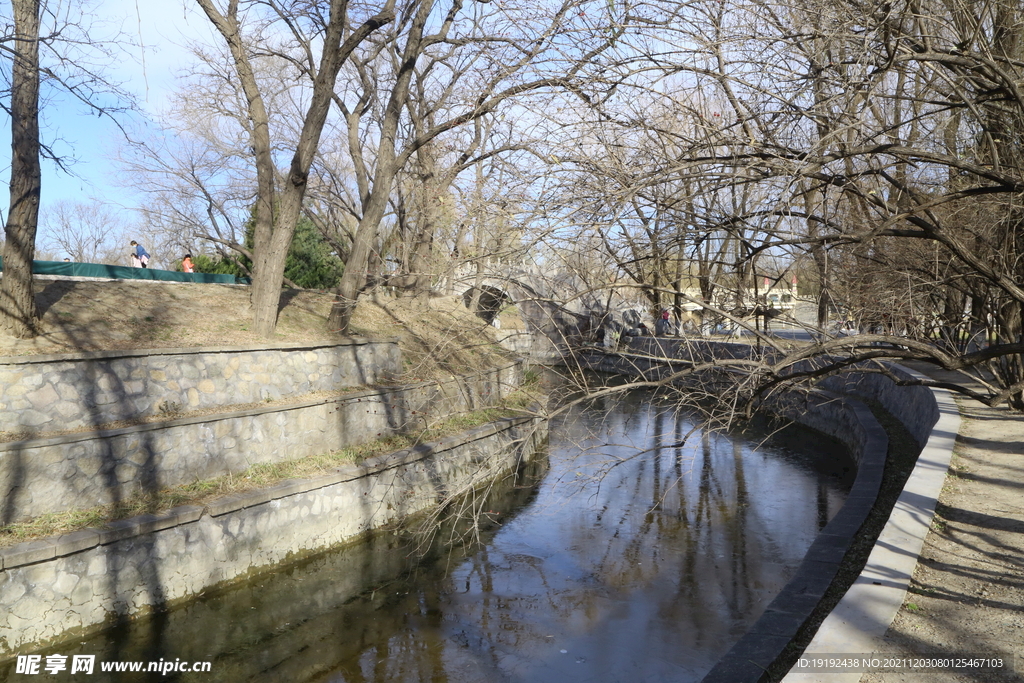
641, 549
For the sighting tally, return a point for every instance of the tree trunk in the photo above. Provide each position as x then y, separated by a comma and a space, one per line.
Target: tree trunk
354, 277
18, 314
420, 275
276, 217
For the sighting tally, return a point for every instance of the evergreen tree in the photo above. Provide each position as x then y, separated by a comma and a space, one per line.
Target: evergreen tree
310, 263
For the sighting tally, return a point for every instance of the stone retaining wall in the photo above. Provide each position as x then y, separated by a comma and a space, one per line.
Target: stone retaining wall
692, 350
914, 406
529, 343
88, 390
96, 468
59, 588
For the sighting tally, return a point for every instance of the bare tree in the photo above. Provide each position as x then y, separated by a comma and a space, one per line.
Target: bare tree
86, 232
73, 63
499, 56
869, 140
277, 212
18, 313
195, 170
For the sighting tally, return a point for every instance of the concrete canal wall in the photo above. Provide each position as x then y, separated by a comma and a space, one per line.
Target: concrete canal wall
914, 406
834, 411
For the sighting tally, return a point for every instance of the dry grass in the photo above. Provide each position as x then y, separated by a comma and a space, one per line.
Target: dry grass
439, 337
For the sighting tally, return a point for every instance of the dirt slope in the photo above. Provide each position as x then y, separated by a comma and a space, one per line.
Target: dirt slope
438, 338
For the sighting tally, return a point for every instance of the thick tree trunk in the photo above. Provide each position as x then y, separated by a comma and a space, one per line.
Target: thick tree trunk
419, 264
276, 217
18, 314
354, 277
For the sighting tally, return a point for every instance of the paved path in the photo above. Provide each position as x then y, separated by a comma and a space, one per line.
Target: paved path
967, 593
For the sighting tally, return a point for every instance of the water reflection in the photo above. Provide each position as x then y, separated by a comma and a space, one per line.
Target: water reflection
644, 557
645, 552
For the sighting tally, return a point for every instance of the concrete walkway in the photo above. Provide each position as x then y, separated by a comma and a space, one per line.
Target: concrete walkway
967, 592
952, 584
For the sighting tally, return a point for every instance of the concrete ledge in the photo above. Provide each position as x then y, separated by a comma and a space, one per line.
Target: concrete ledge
289, 487
77, 541
235, 501
142, 524
860, 620
28, 553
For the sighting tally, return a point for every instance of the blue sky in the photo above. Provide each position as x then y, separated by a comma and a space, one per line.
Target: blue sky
147, 70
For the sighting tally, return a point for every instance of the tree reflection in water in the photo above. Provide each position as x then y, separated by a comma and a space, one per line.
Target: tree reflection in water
644, 553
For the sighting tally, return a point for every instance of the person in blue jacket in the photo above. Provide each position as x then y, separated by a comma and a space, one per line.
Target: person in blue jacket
141, 253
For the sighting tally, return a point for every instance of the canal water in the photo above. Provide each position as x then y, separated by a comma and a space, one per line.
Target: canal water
640, 548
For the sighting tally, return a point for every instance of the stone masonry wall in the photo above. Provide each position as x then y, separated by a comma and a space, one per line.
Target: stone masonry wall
82, 470
914, 406
59, 588
87, 390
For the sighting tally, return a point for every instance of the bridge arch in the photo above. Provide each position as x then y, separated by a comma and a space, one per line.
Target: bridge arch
489, 303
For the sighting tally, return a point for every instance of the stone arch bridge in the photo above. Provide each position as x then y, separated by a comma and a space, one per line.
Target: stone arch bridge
555, 310
550, 318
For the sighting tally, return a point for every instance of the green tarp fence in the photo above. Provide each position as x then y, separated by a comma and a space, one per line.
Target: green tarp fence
71, 269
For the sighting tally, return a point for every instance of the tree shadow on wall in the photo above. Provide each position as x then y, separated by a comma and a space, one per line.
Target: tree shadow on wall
127, 463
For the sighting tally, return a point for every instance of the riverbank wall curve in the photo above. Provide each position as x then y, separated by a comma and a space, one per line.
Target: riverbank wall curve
835, 411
